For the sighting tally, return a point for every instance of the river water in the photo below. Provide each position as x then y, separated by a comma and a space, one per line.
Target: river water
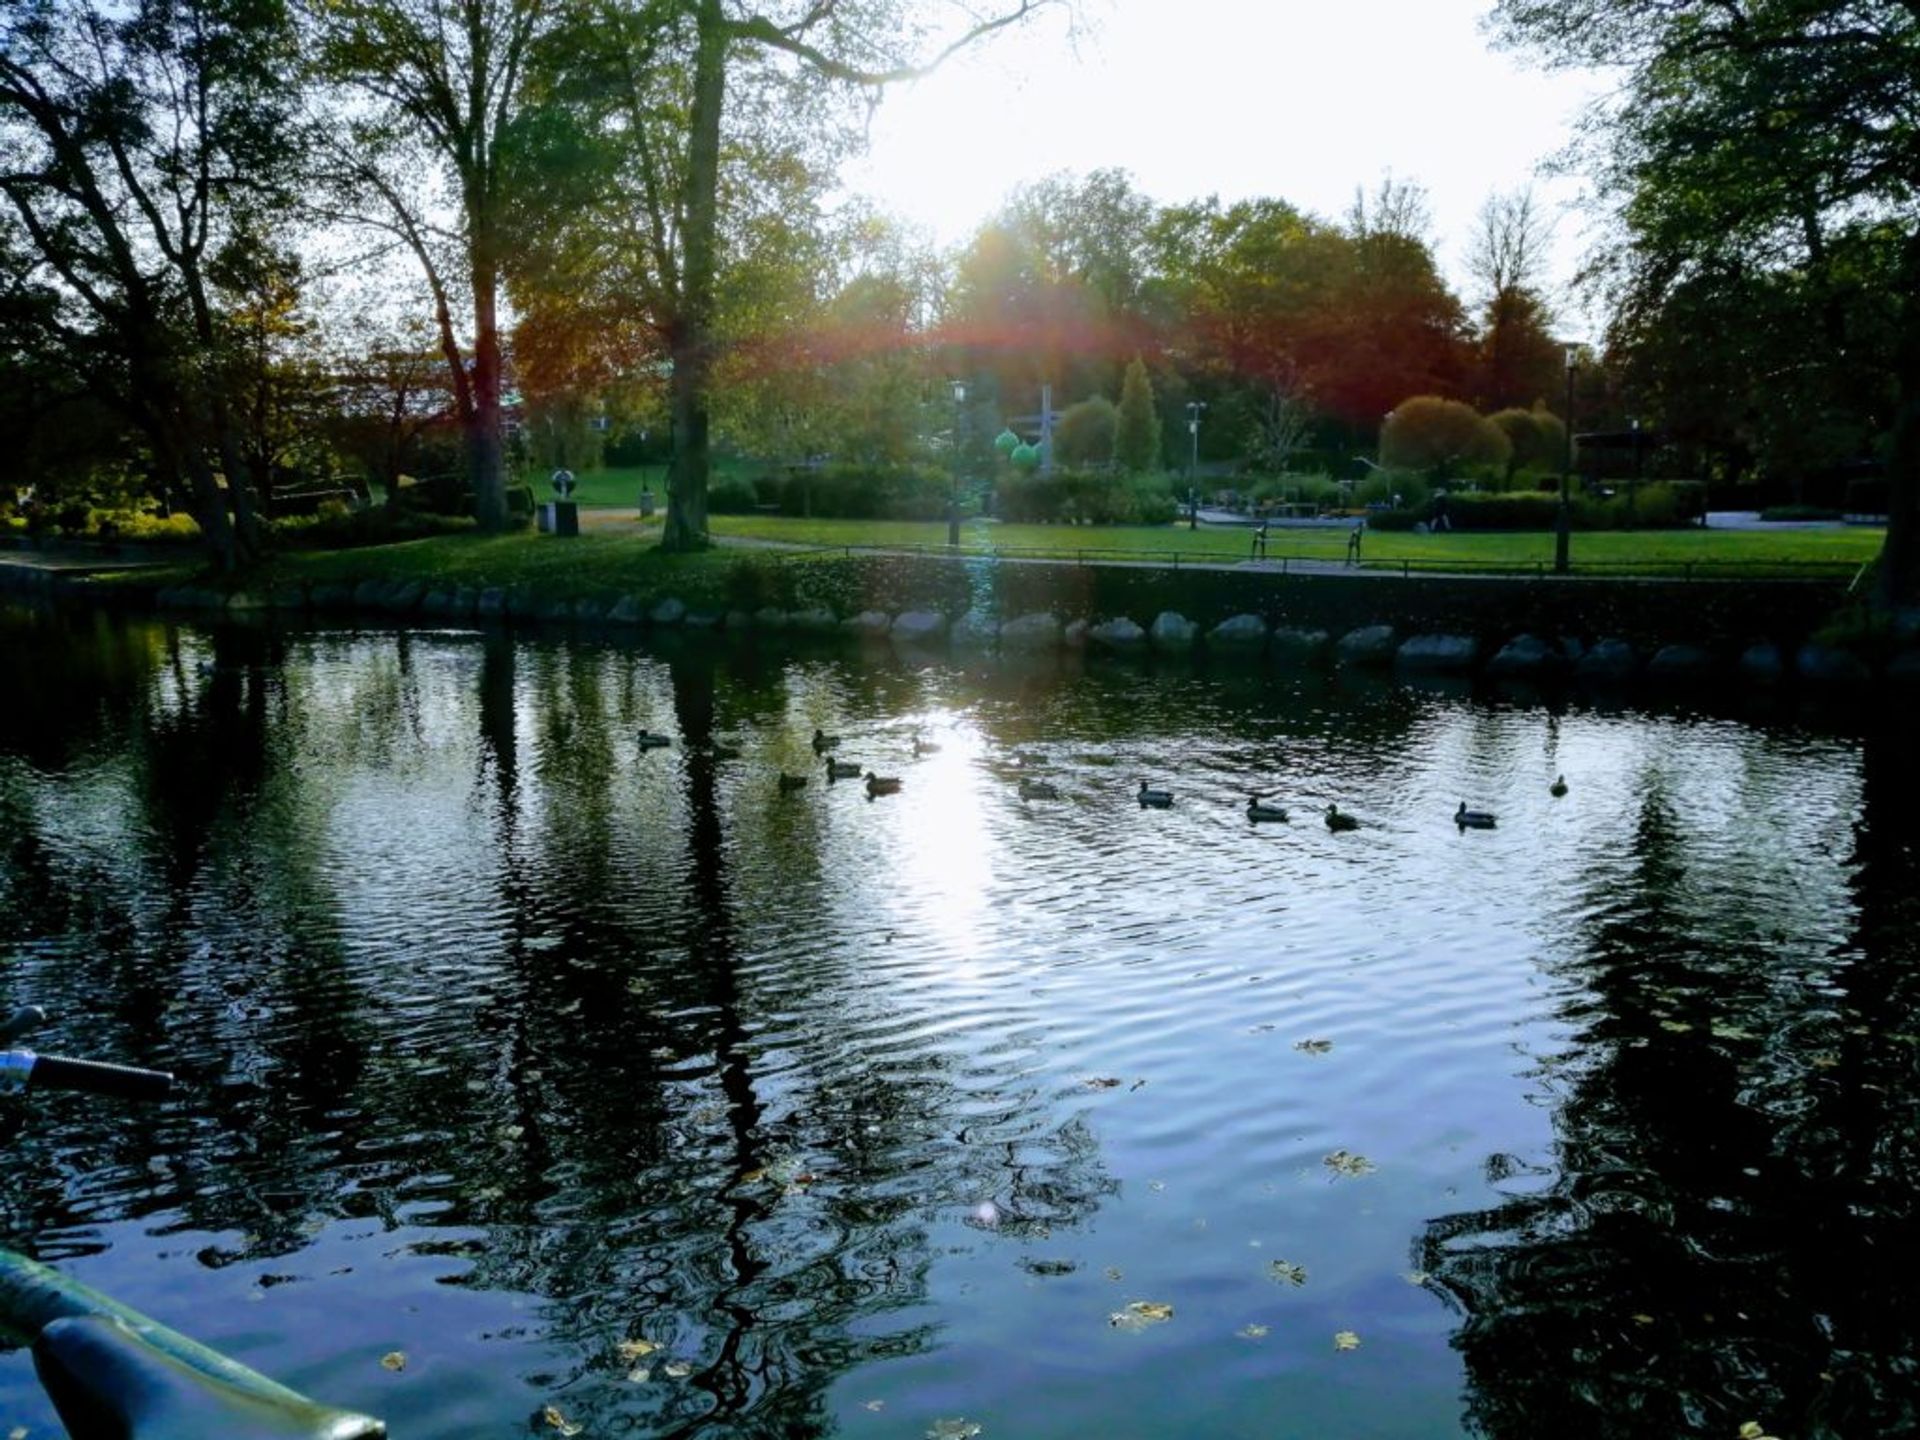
529, 1078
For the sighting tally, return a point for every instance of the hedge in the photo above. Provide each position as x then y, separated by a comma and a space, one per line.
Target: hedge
1084, 497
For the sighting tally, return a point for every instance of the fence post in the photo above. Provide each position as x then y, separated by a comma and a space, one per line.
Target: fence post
1406, 569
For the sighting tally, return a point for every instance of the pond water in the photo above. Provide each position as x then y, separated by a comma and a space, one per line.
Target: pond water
616, 1082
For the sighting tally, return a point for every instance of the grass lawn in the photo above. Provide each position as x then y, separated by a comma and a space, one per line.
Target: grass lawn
1621, 552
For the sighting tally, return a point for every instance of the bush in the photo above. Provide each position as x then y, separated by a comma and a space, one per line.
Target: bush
1537, 440
1084, 497
372, 525
757, 581
1437, 437
1394, 519
732, 495
1084, 434
858, 492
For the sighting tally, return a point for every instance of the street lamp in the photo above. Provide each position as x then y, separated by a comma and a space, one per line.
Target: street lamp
1564, 529
953, 485
1194, 407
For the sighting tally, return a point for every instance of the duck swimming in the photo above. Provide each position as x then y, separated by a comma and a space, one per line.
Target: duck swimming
790, 783
1158, 799
823, 742
843, 770
882, 785
1473, 819
653, 740
1337, 821
1258, 812
1558, 787
1039, 790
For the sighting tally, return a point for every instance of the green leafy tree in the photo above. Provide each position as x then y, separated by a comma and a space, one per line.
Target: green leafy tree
1136, 443
1535, 439
1752, 138
1436, 437
146, 143
1084, 435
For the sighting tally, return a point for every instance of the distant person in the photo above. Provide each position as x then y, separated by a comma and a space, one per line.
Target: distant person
1439, 520
1260, 541
1353, 542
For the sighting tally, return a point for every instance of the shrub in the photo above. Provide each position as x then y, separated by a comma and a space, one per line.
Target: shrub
1084, 434
1084, 497
1437, 437
757, 581
732, 495
857, 492
372, 525
1136, 444
1536, 438
1394, 519
171, 529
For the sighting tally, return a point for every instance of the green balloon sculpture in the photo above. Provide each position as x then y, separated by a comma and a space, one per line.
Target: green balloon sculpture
1025, 457
1006, 442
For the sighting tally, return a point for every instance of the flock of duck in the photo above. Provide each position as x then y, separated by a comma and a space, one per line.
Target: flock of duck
1258, 810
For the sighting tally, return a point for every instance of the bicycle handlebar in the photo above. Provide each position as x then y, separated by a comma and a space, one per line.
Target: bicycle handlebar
22, 1069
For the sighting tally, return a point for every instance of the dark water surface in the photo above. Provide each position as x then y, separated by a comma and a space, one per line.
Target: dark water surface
505, 1045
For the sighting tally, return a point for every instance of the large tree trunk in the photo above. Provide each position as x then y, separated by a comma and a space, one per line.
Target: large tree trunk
1899, 580
486, 450
692, 335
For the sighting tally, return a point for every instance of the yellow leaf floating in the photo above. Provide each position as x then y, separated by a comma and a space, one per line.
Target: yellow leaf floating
1346, 1340
395, 1360
1345, 1162
632, 1350
1287, 1273
677, 1369
1141, 1313
1252, 1332
1754, 1430
552, 1416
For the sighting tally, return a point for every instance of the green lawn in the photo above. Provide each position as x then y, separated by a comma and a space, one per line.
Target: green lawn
1625, 552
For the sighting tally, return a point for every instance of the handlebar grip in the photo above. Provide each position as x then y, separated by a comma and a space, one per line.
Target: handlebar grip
124, 1082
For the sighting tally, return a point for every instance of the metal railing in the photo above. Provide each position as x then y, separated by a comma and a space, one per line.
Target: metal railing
1405, 567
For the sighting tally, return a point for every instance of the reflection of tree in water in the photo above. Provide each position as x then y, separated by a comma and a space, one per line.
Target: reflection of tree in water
1729, 1235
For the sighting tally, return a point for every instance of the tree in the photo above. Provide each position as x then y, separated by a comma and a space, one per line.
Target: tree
1535, 439
437, 86
1434, 436
654, 85
1762, 137
1518, 360
1136, 443
1085, 433
144, 144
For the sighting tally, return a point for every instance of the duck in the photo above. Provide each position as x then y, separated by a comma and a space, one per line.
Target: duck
1257, 812
650, 740
925, 747
823, 742
882, 785
790, 783
1158, 799
1039, 790
1558, 787
1337, 821
1473, 819
843, 770
726, 752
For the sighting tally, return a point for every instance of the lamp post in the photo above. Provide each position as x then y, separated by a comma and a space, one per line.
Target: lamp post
953, 485
1194, 407
1565, 526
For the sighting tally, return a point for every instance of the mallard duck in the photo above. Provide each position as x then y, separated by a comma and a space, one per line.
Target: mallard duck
823, 742
651, 740
1558, 787
1473, 819
1039, 790
1258, 812
1337, 821
790, 783
1158, 799
924, 747
882, 784
843, 770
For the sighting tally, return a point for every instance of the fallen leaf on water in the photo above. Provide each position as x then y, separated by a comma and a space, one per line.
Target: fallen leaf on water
677, 1369
395, 1360
1345, 1162
1416, 1277
1141, 1313
1287, 1273
1313, 1047
639, 1375
632, 1350
1156, 1186
1643, 1319
876, 1405
1825, 1062
1252, 1332
1754, 1430
753, 1177
1723, 1031
1101, 1082
953, 1429
1346, 1340
1678, 1027
19, 1432
552, 1416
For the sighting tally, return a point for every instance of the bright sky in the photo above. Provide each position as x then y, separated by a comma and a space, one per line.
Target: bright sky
1239, 98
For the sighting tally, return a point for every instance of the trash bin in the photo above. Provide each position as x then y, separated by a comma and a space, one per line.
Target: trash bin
646, 504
